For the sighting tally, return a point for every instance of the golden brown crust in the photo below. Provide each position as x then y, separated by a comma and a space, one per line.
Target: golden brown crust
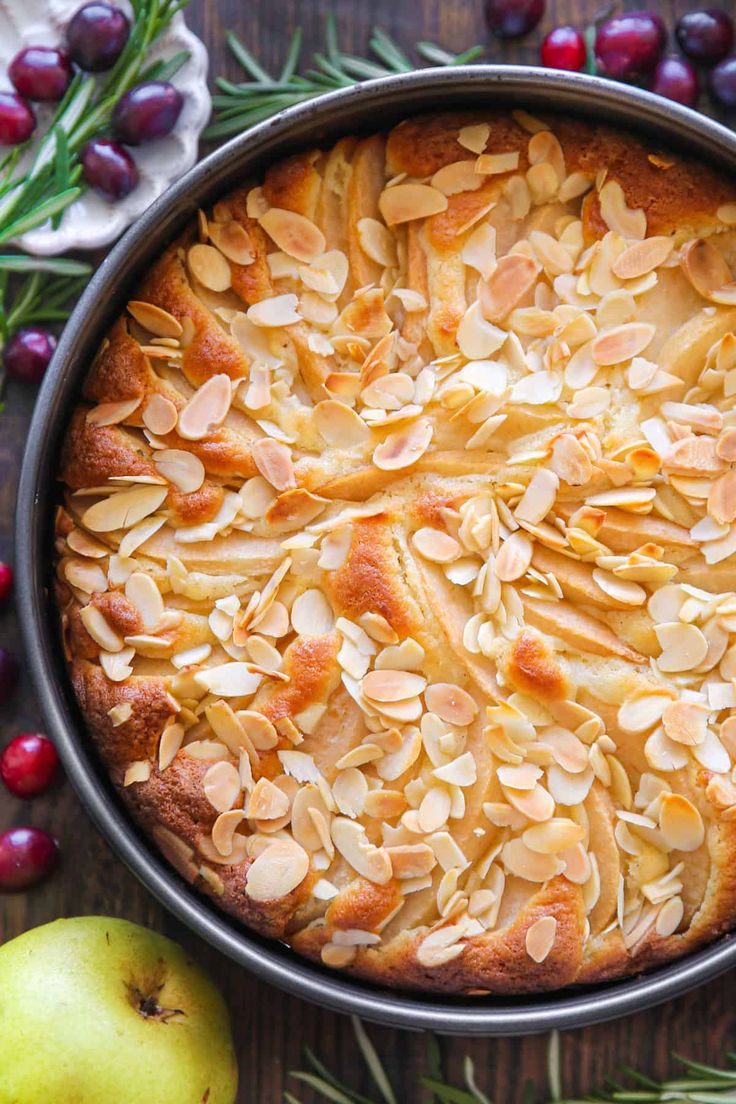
395, 564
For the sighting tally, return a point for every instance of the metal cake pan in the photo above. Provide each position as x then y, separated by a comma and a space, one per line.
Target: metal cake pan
376, 104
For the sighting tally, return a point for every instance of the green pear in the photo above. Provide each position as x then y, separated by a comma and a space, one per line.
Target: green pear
100, 1011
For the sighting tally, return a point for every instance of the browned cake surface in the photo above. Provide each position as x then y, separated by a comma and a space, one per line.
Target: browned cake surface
396, 555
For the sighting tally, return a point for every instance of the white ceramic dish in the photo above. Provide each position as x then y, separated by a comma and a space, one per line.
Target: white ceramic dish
91, 222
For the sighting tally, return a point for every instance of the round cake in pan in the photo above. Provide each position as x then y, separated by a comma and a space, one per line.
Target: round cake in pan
396, 555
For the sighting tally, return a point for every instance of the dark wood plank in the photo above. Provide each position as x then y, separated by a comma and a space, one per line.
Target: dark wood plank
271, 1029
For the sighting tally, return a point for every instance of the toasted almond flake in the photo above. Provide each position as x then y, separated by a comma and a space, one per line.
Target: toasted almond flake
621, 590
209, 267
228, 680
405, 202
119, 714
294, 234
540, 938
434, 809
311, 614
159, 415
670, 917
683, 646
620, 218
522, 777
273, 460
575, 185
474, 137
512, 278
183, 469
479, 251
378, 628
267, 801
377, 242
459, 176
492, 164
722, 499
155, 319
169, 745
392, 686
450, 702
530, 865
223, 831
435, 545
680, 823
351, 841
124, 508
142, 592
705, 267
685, 722
116, 665
405, 447
476, 337
233, 241
137, 772
642, 257
643, 712
340, 426
539, 497
277, 871
112, 413
622, 343
279, 310
514, 557
461, 771
100, 630
553, 836
570, 461
222, 786
206, 409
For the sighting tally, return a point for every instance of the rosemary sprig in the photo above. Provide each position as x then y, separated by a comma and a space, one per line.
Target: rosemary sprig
239, 106
701, 1084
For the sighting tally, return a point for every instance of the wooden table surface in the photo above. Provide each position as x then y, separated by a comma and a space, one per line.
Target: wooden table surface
271, 1028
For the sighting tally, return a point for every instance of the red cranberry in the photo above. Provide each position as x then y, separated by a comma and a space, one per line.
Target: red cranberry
9, 671
28, 354
148, 111
513, 18
27, 856
17, 121
564, 48
676, 79
96, 36
628, 46
705, 36
722, 82
109, 169
29, 764
41, 73
6, 581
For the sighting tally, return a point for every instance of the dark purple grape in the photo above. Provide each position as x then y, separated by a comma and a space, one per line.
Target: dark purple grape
28, 354
148, 111
27, 856
705, 36
41, 73
9, 671
96, 36
722, 82
676, 79
629, 46
17, 121
513, 18
109, 169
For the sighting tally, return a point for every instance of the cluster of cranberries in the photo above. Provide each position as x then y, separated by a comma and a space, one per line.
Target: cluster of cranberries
95, 39
28, 766
631, 47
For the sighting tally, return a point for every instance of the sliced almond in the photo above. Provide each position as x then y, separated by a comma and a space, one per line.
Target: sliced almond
680, 823
311, 614
683, 646
351, 841
277, 871
554, 835
273, 460
493, 164
124, 509
392, 686
294, 234
277, 311
512, 278
183, 469
622, 343
340, 426
706, 268
223, 831
159, 415
233, 241
206, 409
539, 497
405, 447
530, 865
222, 786
642, 257
540, 938
377, 242
722, 498
450, 702
629, 223
570, 461
435, 545
209, 266
514, 557
406, 202
685, 722
459, 176
474, 137
112, 413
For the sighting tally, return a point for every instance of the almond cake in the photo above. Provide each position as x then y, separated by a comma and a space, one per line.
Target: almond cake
395, 560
